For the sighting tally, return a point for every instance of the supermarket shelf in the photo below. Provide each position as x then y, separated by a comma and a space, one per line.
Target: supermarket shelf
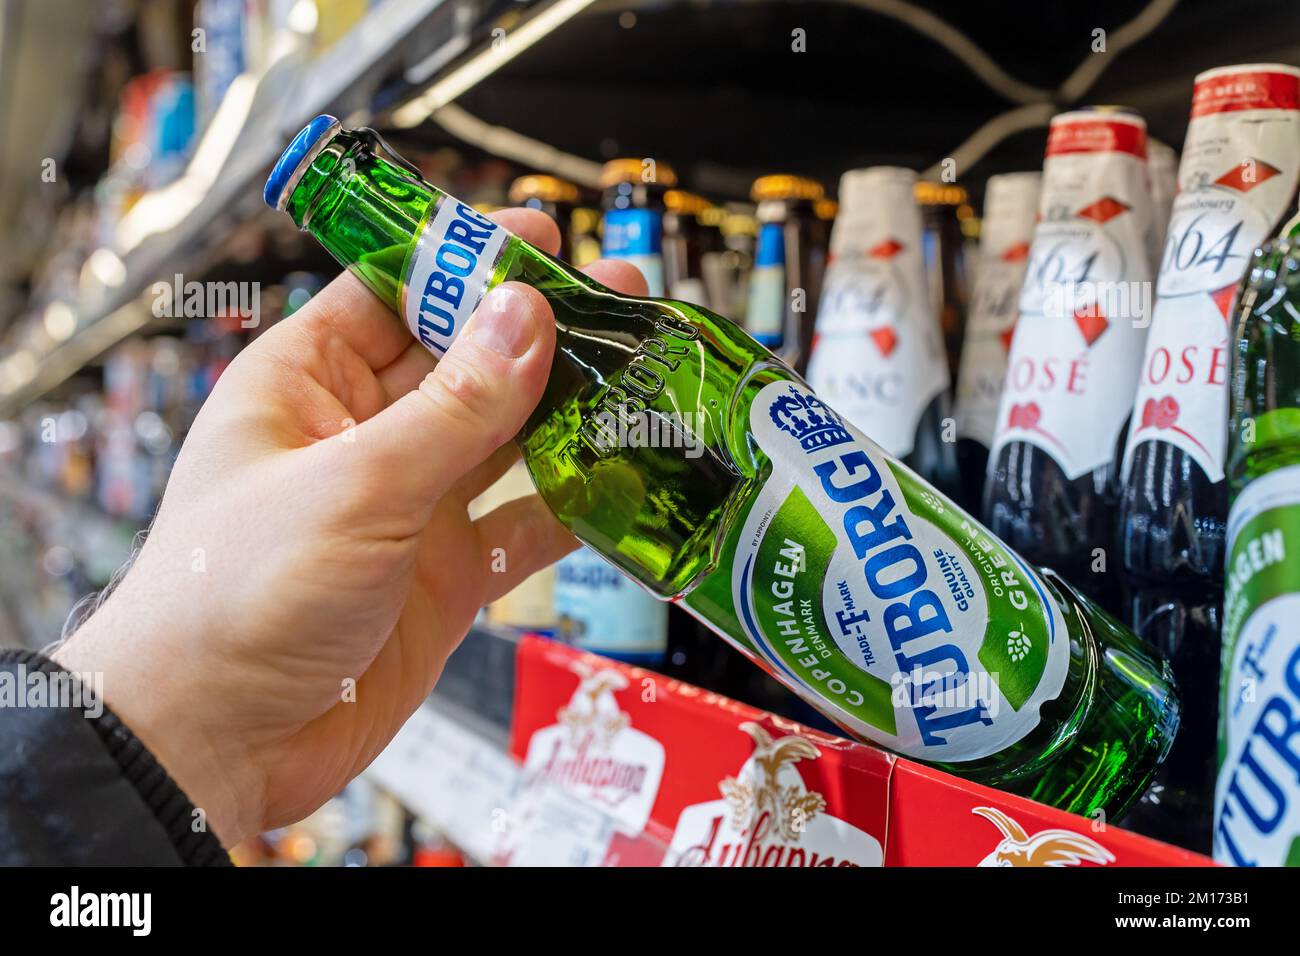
179, 227
450, 765
478, 684
98, 544
575, 766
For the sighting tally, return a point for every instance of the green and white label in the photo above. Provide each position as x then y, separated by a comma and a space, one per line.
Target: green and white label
880, 600
1257, 800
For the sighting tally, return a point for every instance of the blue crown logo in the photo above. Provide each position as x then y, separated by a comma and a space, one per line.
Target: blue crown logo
809, 420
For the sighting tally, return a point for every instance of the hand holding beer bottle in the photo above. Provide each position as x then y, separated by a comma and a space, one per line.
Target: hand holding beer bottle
313, 563
784, 528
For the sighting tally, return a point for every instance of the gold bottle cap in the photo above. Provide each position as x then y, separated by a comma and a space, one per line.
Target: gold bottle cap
712, 216
785, 186
543, 188
637, 171
739, 224
688, 204
584, 219
826, 209
940, 194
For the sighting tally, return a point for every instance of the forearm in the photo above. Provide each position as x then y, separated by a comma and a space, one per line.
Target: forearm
77, 787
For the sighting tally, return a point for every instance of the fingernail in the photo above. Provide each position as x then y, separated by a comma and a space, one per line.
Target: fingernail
504, 322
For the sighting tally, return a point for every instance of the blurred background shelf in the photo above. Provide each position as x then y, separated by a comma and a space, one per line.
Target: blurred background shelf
135, 136
737, 100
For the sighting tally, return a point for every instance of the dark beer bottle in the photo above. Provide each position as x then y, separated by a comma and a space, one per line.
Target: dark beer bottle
554, 196
945, 261
878, 353
683, 246
1010, 209
1075, 354
1237, 184
785, 284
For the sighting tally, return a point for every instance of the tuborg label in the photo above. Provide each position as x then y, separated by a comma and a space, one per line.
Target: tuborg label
1084, 308
1238, 175
449, 272
878, 597
1257, 800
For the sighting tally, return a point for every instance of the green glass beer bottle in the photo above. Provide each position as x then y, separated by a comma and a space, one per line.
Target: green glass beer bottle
1257, 799
702, 467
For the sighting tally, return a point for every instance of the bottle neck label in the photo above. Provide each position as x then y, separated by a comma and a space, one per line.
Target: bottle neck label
636, 236
992, 320
449, 270
1010, 209
1237, 179
765, 313
878, 354
1257, 800
1084, 310
880, 601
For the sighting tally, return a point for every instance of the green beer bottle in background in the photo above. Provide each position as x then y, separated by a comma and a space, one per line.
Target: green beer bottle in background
1257, 800
679, 448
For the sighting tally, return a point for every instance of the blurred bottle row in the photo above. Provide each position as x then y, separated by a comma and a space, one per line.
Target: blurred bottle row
362, 826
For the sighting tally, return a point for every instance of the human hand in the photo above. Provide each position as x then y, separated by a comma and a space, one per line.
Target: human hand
312, 564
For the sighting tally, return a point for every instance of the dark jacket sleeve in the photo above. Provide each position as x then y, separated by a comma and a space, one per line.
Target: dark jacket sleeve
78, 788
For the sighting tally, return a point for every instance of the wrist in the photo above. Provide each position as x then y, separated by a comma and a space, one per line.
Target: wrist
144, 686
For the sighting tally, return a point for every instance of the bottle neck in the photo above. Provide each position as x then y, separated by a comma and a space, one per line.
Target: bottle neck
425, 254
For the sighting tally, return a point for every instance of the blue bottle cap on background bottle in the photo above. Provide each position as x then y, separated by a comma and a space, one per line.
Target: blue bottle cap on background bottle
313, 138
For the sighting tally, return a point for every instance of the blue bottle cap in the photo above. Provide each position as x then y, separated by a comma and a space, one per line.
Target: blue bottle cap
313, 138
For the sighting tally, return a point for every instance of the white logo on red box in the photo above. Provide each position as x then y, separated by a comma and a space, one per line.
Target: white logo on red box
594, 752
767, 816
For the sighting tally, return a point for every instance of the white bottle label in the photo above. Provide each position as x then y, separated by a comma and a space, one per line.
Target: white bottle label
765, 315
601, 610
1239, 171
883, 603
1010, 211
989, 327
1257, 800
1085, 305
877, 355
450, 270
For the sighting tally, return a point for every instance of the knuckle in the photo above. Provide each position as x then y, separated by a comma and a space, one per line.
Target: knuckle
463, 392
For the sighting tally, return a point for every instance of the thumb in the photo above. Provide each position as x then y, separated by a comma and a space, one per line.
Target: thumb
475, 401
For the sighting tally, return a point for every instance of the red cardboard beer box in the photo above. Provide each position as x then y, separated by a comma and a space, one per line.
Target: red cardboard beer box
939, 820
692, 778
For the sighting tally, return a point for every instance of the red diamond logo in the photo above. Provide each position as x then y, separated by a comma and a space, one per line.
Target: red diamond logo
1247, 174
886, 250
1223, 299
1092, 323
885, 340
1103, 210
1017, 253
